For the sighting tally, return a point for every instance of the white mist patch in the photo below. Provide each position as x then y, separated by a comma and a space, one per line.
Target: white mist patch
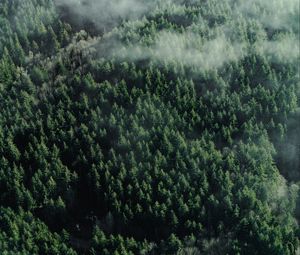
187, 49
284, 49
104, 13
281, 195
272, 13
226, 42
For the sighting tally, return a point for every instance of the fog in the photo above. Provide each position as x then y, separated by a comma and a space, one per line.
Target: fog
201, 45
188, 49
273, 13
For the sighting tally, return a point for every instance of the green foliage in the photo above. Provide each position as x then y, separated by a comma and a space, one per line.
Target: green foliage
21, 233
166, 135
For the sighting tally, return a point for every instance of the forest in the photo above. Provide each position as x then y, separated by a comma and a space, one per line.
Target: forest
163, 127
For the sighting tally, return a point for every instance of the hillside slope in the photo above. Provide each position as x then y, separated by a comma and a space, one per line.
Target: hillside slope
129, 127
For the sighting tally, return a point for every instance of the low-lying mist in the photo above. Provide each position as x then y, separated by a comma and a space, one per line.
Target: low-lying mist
207, 43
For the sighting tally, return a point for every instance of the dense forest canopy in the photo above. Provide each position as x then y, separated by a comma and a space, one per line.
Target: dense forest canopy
149, 127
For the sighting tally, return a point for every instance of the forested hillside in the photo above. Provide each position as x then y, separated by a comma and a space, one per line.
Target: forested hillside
134, 127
